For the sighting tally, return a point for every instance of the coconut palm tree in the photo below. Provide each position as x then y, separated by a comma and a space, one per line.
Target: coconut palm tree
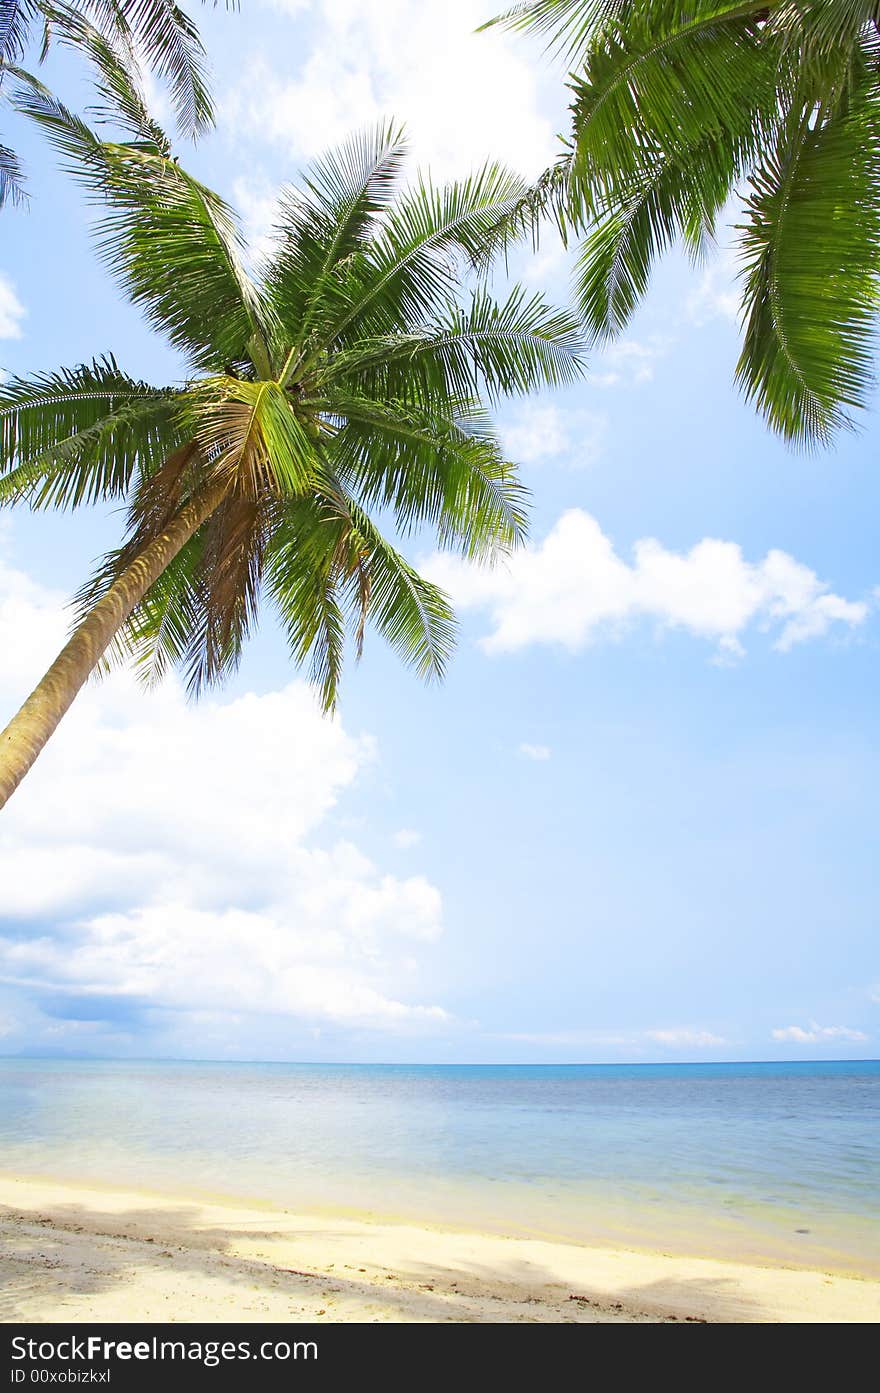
157, 31
679, 106
350, 375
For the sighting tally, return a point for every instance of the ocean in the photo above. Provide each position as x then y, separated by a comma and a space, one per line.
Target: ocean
765, 1162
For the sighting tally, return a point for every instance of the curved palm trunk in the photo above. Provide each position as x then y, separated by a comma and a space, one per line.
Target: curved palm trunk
23, 739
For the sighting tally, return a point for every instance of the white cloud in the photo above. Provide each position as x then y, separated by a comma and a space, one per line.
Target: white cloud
717, 295
575, 1039
682, 1039
538, 431
406, 838
628, 361
257, 201
814, 1034
181, 859
12, 311
465, 97
535, 752
573, 588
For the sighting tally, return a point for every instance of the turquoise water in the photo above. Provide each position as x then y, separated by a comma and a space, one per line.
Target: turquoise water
766, 1161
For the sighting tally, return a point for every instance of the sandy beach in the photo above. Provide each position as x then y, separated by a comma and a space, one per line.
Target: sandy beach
75, 1253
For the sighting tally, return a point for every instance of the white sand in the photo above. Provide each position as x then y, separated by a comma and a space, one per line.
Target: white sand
75, 1253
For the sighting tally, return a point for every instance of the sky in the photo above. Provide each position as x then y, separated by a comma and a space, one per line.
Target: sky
639, 819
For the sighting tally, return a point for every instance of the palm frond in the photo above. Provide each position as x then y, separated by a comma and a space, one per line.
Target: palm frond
658, 86
169, 42
569, 24
12, 181
414, 616
229, 582
303, 577
500, 349
415, 257
811, 252
172, 243
81, 435
680, 198
320, 228
449, 475
118, 80
16, 17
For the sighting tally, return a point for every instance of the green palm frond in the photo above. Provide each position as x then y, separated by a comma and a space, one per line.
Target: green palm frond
416, 257
170, 45
173, 244
414, 616
449, 475
570, 24
117, 78
811, 249
678, 108
658, 87
119, 37
16, 17
81, 435
675, 199
501, 349
303, 572
250, 433
12, 183
325, 224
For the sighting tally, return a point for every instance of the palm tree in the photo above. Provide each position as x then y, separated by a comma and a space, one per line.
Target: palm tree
157, 31
350, 375
677, 107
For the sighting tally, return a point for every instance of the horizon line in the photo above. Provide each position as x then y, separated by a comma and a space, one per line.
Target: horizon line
425, 1064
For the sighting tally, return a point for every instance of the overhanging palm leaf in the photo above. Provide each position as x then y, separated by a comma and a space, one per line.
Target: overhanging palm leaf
116, 36
349, 376
677, 108
811, 260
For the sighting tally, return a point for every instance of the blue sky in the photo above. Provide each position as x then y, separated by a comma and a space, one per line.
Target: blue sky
639, 819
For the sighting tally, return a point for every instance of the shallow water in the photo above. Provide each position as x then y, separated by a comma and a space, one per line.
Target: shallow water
779, 1162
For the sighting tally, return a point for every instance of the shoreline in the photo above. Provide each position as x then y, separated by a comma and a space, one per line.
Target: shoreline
81, 1252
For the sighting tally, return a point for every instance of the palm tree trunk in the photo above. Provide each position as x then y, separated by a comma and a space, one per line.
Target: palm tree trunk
23, 739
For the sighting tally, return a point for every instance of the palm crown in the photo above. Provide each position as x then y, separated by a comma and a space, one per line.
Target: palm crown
676, 107
350, 376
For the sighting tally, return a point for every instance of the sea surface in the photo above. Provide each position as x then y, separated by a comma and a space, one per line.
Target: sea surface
768, 1162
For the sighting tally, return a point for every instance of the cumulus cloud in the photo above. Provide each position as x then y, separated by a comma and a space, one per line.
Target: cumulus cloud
535, 752
12, 311
182, 858
360, 61
574, 588
815, 1034
536, 432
